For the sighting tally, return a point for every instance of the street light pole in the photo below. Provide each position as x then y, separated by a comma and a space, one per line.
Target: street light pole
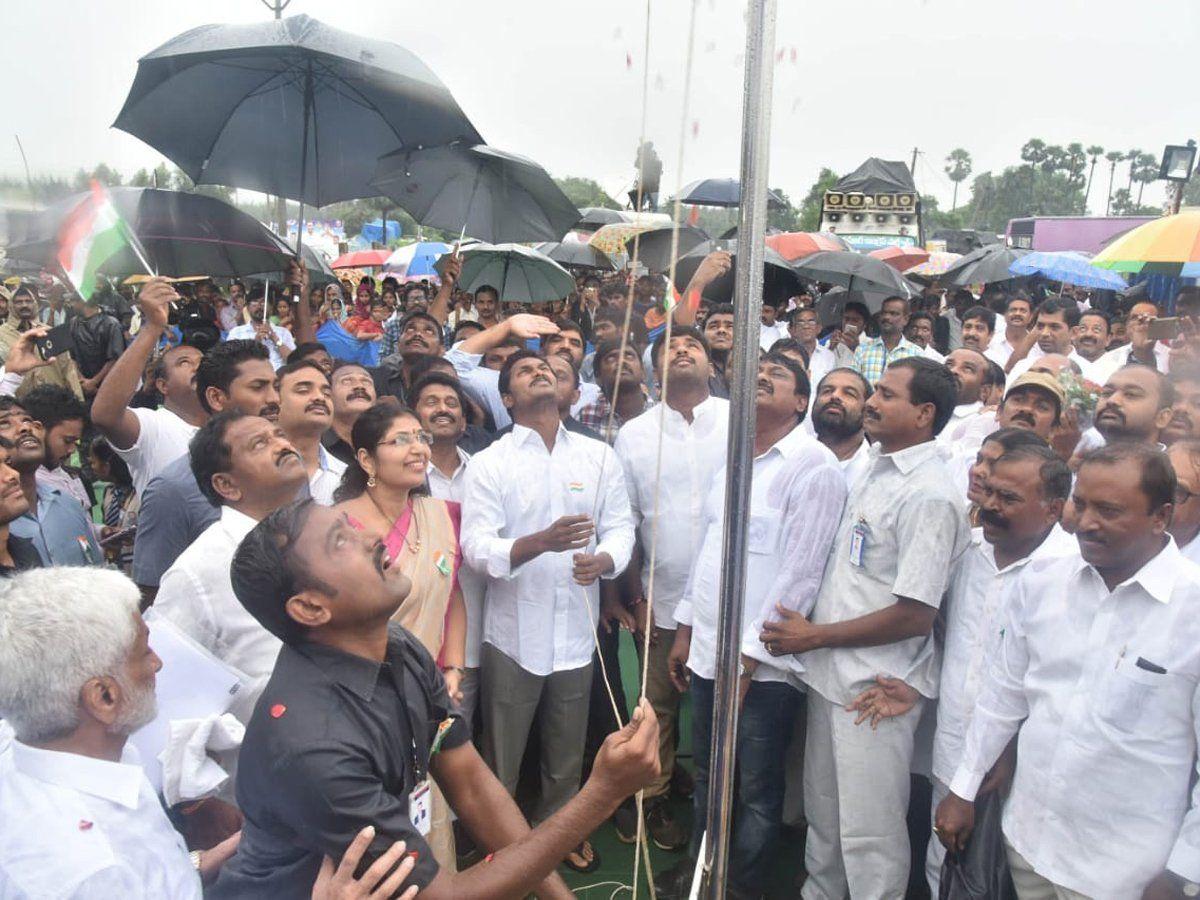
752, 221
277, 7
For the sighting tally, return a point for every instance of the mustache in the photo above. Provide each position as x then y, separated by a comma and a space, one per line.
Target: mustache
318, 405
1111, 410
359, 393
270, 411
993, 518
765, 386
871, 414
284, 454
1025, 417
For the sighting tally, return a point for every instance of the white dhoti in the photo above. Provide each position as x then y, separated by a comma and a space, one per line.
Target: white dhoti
856, 789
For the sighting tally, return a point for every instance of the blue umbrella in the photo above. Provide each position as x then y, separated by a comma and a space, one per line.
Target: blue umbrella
416, 260
1070, 267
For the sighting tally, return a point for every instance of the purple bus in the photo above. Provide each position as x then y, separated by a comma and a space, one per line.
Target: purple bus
1086, 234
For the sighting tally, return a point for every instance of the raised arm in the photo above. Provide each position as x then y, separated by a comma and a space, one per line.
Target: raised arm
524, 859
297, 274
439, 308
523, 326
110, 410
710, 269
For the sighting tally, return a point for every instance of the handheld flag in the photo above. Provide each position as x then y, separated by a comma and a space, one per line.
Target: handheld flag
92, 234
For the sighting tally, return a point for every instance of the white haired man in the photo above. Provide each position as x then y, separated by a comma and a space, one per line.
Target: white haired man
80, 818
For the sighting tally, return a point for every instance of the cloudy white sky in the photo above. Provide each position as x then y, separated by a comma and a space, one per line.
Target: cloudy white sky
550, 78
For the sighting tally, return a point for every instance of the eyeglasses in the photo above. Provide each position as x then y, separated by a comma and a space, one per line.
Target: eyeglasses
408, 438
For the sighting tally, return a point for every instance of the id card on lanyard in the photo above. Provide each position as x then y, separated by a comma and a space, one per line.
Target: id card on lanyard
859, 535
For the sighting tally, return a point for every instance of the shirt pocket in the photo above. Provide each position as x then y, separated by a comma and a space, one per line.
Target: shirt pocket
1135, 700
763, 534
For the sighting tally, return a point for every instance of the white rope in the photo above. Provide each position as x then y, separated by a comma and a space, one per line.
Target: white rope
662, 421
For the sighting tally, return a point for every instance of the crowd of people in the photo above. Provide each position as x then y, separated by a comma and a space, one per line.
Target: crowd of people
414, 521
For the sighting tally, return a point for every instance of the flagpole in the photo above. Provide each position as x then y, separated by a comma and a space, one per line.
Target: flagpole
748, 282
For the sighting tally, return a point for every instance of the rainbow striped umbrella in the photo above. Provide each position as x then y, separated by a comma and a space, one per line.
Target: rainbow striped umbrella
939, 261
1166, 246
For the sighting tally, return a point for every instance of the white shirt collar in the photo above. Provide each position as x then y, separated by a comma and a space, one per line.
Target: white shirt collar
116, 782
521, 435
910, 457
1157, 577
790, 444
238, 524
967, 409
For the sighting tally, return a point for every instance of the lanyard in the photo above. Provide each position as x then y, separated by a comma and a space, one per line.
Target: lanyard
399, 683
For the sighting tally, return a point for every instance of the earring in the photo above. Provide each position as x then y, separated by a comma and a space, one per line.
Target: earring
371, 480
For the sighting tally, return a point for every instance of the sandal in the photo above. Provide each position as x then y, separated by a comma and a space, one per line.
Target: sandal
587, 867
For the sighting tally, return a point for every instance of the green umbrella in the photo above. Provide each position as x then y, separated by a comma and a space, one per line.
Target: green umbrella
521, 274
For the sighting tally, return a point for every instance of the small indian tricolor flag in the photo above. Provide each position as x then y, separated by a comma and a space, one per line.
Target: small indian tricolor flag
441, 562
576, 487
92, 233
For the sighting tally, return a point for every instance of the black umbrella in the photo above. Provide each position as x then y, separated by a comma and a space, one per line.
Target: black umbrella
654, 246
982, 266
481, 191
780, 281
289, 107
577, 256
721, 192
319, 273
594, 217
182, 234
855, 272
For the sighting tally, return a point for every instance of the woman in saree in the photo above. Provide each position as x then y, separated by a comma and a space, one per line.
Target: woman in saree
385, 495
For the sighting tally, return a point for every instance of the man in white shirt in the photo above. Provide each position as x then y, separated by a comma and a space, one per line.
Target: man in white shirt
1096, 673
1024, 493
305, 413
690, 430
149, 439
1091, 334
919, 330
903, 527
80, 819
969, 368
276, 339
771, 328
838, 419
1052, 333
440, 404
797, 493
979, 328
533, 497
1141, 347
246, 466
1017, 313
804, 327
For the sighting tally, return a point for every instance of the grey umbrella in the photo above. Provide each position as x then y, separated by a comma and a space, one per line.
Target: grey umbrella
481, 191
983, 266
577, 256
182, 234
721, 192
779, 279
319, 273
290, 107
855, 272
593, 217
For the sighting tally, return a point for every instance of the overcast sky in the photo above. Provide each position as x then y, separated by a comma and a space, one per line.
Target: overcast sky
551, 79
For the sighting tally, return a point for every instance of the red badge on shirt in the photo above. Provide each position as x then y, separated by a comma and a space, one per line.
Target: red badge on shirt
85, 825
278, 710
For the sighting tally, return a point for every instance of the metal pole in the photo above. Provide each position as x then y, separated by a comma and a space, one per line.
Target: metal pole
743, 371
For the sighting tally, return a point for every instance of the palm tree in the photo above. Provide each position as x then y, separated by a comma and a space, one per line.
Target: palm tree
1095, 152
1132, 157
1147, 171
958, 167
1113, 157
